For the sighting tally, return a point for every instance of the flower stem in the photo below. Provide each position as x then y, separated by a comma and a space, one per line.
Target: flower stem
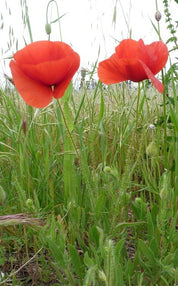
84, 173
164, 103
165, 122
57, 9
159, 31
137, 108
67, 128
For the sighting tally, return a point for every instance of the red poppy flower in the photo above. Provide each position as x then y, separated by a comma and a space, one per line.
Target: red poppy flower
133, 60
43, 70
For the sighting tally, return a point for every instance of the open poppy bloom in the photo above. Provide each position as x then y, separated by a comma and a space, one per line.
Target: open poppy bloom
135, 61
43, 70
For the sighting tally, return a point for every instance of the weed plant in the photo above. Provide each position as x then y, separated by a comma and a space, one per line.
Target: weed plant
88, 187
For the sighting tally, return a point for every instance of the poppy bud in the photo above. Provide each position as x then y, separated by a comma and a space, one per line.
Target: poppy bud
158, 16
107, 169
48, 28
138, 200
29, 204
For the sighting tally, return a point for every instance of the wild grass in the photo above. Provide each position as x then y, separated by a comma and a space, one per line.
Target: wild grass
88, 187
108, 204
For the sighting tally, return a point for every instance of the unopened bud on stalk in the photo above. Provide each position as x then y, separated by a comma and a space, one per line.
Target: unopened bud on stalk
158, 16
138, 200
107, 169
48, 28
29, 204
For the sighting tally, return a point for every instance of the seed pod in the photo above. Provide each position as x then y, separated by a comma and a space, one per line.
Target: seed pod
48, 28
158, 16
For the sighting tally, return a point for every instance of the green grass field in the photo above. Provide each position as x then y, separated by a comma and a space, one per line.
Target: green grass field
88, 187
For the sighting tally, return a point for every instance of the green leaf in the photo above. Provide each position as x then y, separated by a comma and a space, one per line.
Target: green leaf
79, 109
100, 204
117, 250
88, 261
147, 252
150, 225
174, 117
54, 21
154, 245
90, 276
154, 213
76, 261
57, 254
119, 275
176, 259
129, 269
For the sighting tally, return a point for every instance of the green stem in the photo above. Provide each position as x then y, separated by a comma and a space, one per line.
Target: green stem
164, 103
159, 31
137, 108
78, 155
165, 122
67, 128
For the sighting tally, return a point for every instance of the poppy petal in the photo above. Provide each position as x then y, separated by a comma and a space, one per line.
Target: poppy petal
157, 84
158, 56
132, 49
42, 51
154, 55
52, 72
134, 61
61, 86
34, 93
116, 70
109, 71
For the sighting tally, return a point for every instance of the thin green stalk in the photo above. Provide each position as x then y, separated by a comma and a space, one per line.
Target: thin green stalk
159, 31
164, 101
137, 108
78, 155
165, 123
66, 125
58, 17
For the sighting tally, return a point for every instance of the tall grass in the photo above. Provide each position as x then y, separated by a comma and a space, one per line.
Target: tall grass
87, 188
